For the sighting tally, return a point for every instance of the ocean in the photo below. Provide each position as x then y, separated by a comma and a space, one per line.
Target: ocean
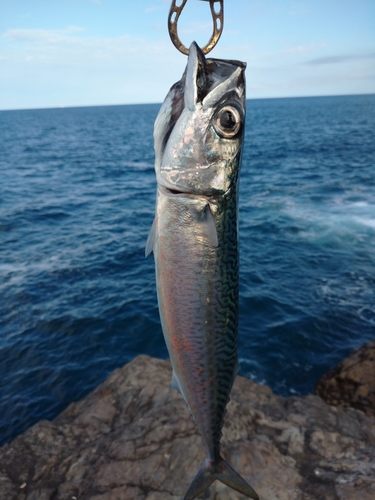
77, 295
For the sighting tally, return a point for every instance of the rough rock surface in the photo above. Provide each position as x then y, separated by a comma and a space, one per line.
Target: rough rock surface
352, 382
133, 439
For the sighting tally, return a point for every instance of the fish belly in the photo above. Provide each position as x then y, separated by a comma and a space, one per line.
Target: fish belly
197, 286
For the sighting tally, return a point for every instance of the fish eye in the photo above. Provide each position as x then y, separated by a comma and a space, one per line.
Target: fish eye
227, 122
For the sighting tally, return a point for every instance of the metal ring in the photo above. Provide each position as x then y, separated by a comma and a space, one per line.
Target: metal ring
217, 19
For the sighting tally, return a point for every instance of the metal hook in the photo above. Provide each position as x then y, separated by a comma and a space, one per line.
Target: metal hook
217, 18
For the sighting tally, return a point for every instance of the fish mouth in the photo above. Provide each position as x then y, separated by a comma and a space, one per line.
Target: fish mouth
174, 192
208, 181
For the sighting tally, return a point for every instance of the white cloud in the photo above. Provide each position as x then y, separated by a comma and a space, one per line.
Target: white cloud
39, 66
299, 8
197, 28
41, 36
287, 53
148, 10
161, 5
46, 68
70, 47
339, 59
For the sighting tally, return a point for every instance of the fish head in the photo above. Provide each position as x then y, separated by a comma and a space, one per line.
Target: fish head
199, 129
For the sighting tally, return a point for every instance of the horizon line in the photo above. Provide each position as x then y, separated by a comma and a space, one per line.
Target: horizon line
160, 103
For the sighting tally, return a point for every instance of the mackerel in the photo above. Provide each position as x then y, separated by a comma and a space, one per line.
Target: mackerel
198, 147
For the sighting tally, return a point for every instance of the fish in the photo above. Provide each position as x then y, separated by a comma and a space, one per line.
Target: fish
198, 140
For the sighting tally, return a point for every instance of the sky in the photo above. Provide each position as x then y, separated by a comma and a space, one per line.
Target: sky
60, 53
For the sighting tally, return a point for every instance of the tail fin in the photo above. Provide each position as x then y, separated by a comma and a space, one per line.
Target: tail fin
224, 473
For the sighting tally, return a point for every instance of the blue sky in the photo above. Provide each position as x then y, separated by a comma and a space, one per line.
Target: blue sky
95, 52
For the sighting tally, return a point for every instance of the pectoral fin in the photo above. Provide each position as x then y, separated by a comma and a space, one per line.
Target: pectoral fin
176, 385
210, 227
150, 243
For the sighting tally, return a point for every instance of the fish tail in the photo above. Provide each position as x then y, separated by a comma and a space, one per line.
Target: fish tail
223, 472
201, 482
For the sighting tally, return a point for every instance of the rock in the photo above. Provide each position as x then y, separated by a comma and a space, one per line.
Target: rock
352, 382
133, 439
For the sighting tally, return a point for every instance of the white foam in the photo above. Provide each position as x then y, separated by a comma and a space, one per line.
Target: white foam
335, 221
370, 222
15, 273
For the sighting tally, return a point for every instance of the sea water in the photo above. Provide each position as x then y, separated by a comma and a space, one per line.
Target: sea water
77, 295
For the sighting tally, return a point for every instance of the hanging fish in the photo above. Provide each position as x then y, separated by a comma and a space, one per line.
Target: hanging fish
198, 146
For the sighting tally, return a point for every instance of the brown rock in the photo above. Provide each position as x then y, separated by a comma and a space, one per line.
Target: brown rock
133, 439
352, 382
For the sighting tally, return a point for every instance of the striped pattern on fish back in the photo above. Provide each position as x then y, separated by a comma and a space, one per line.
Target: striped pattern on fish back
226, 342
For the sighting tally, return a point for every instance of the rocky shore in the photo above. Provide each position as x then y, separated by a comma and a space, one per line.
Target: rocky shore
133, 439
352, 382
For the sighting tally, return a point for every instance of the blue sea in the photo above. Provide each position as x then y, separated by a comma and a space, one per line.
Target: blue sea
77, 295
